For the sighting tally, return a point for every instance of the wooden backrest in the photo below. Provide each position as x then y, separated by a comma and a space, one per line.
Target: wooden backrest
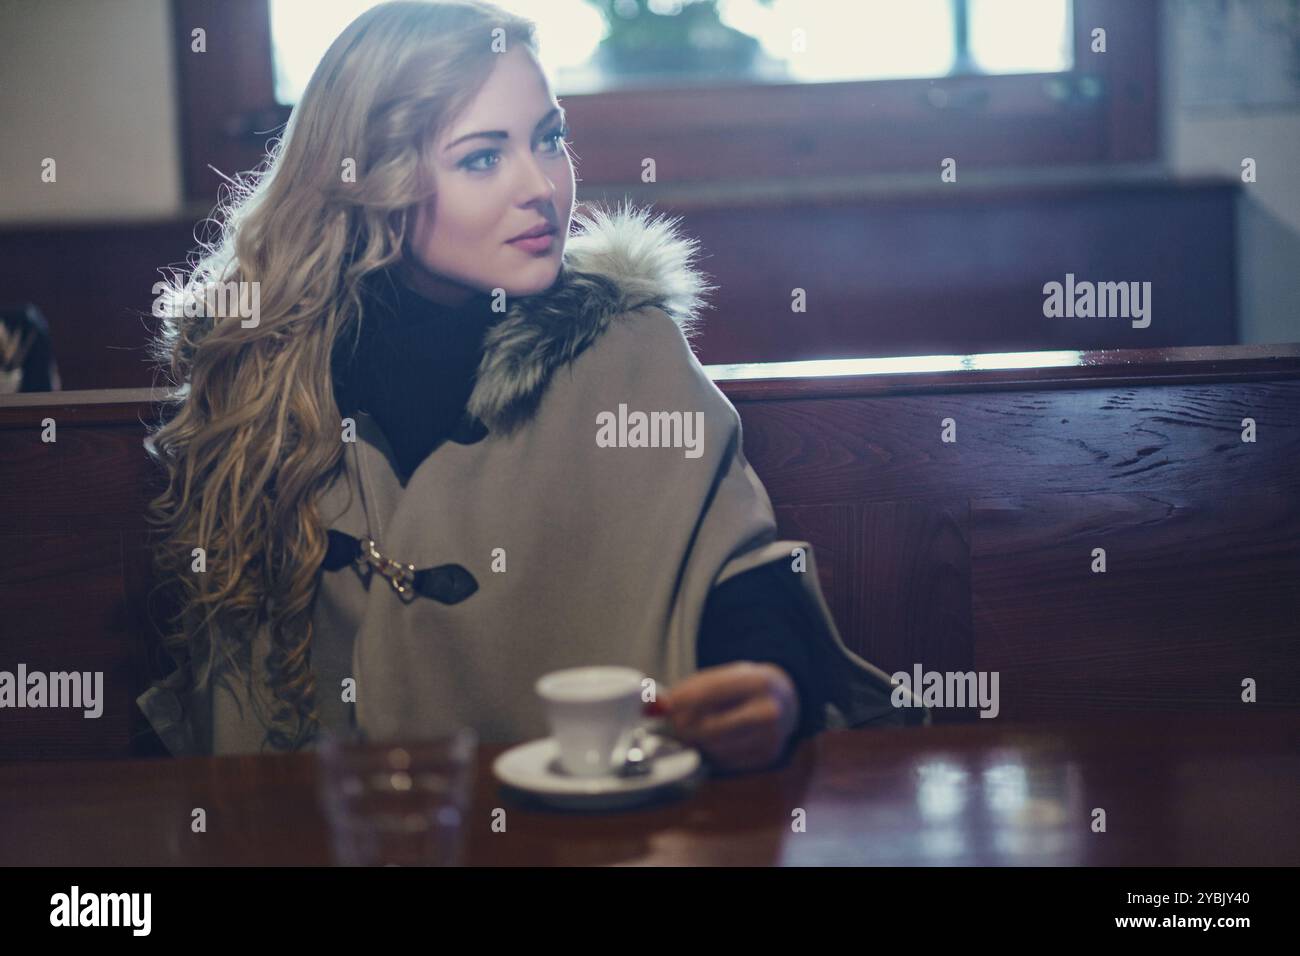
977, 553
886, 270
981, 553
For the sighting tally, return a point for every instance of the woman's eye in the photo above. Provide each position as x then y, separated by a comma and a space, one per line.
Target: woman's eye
558, 134
468, 163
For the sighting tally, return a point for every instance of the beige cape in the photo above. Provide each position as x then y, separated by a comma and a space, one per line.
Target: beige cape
580, 554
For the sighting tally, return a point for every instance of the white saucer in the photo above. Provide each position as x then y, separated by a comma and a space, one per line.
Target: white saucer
534, 768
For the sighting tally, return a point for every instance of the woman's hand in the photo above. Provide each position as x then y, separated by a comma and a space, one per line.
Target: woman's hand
740, 716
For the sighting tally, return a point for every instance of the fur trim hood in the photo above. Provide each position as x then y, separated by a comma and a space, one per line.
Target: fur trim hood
618, 261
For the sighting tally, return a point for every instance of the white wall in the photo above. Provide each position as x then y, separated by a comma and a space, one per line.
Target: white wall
1198, 142
91, 84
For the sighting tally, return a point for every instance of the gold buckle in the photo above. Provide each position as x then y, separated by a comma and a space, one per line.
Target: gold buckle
400, 576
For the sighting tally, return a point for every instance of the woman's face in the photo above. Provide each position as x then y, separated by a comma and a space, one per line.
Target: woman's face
491, 188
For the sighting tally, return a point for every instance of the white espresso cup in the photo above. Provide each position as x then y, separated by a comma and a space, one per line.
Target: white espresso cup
592, 712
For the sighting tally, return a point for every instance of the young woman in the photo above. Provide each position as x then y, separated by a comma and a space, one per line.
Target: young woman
417, 479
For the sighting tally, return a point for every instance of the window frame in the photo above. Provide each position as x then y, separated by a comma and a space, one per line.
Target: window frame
772, 131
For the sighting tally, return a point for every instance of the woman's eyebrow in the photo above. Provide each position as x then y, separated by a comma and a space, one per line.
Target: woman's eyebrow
502, 134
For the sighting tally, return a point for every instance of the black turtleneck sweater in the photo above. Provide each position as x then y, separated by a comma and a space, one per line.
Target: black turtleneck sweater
413, 372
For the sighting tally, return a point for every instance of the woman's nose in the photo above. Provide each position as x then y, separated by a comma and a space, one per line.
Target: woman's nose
538, 184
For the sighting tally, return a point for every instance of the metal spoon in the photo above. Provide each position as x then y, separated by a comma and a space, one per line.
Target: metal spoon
637, 761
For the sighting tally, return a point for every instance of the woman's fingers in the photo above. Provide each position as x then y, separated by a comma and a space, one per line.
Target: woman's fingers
715, 687
740, 715
757, 715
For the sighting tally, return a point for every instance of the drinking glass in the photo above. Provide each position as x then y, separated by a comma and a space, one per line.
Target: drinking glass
397, 804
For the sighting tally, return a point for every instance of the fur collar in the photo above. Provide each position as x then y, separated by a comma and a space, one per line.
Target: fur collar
619, 261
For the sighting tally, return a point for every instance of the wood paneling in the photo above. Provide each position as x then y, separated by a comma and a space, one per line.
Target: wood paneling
1199, 593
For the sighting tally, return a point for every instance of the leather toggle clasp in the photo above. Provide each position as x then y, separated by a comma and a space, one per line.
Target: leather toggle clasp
446, 583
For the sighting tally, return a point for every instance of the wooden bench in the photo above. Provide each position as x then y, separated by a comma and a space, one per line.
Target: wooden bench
888, 269
974, 554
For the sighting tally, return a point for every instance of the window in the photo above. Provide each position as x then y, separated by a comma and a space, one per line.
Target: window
891, 86
761, 41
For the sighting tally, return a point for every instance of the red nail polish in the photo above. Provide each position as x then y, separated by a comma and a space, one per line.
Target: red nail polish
655, 709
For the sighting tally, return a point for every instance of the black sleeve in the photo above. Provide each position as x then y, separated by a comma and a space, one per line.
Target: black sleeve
761, 615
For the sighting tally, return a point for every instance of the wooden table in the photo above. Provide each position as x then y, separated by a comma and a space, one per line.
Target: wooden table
1177, 790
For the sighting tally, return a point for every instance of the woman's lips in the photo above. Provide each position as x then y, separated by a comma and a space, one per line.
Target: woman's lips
534, 243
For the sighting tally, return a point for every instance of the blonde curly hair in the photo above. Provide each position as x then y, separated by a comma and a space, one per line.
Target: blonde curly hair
250, 430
